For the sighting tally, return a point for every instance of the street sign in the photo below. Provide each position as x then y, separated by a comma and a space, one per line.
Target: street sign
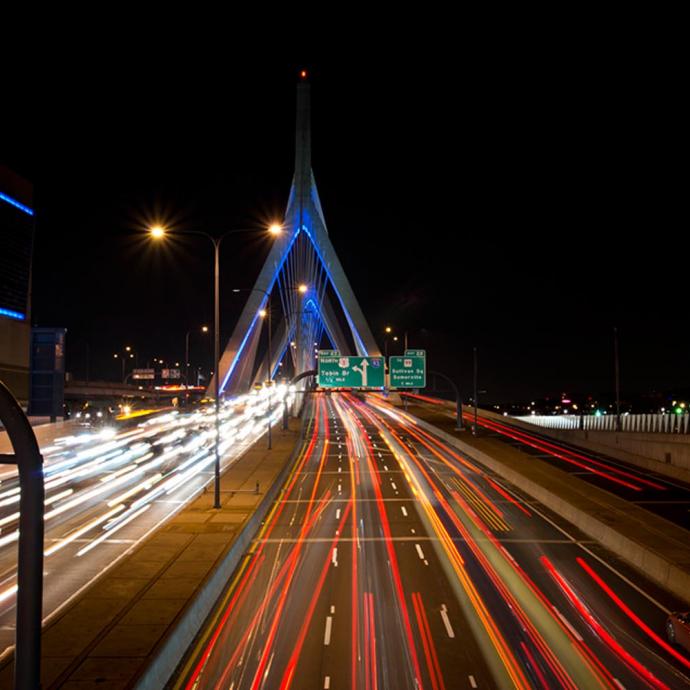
329, 353
140, 374
350, 372
170, 373
415, 353
407, 371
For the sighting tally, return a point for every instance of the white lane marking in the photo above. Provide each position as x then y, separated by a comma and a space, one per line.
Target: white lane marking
340, 488
446, 621
385, 467
404, 510
335, 556
326, 683
412, 530
420, 553
337, 514
327, 632
332, 609
395, 488
637, 588
340, 469
568, 625
473, 682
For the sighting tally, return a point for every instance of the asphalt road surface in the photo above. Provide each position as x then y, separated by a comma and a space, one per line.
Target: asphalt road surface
108, 488
392, 561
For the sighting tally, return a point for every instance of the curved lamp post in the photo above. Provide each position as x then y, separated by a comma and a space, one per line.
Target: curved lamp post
159, 232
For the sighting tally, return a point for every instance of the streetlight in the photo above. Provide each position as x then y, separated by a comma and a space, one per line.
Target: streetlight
388, 330
263, 313
476, 393
204, 329
125, 355
159, 232
122, 359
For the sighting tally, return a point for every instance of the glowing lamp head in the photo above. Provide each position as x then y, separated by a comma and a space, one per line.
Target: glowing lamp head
303, 74
157, 231
275, 229
389, 329
262, 313
302, 289
204, 329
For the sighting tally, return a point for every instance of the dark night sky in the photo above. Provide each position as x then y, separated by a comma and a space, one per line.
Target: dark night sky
523, 202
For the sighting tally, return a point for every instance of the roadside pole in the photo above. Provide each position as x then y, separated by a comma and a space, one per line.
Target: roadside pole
27, 457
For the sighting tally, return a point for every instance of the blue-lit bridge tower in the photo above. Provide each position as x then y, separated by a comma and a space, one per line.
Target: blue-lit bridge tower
302, 255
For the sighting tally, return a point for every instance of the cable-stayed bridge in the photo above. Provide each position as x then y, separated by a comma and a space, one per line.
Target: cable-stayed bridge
302, 282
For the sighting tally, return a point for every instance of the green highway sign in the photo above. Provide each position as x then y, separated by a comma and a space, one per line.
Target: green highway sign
350, 372
415, 353
407, 371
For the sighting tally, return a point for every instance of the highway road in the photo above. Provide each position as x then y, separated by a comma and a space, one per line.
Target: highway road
108, 488
666, 497
392, 561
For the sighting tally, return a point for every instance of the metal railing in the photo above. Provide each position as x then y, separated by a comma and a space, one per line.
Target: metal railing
645, 423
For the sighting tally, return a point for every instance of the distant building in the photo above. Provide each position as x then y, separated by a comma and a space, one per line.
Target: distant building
16, 246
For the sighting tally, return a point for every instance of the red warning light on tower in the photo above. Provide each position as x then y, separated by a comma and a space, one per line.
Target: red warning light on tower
303, 74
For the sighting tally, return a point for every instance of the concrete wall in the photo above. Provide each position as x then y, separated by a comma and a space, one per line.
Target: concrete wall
667, 454
600, 515
15, 339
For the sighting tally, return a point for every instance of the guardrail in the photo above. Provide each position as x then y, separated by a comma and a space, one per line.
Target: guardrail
646, 423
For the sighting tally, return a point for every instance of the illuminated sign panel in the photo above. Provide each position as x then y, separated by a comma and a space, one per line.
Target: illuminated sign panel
350, 372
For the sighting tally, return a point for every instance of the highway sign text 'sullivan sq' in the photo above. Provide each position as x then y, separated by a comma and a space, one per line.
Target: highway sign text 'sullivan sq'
407, 371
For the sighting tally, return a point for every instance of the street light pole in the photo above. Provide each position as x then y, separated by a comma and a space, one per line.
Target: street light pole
160, 232
186, 364
269, 372
474, 425
122, 359
216, 358
618, 379
204, 329
269, 359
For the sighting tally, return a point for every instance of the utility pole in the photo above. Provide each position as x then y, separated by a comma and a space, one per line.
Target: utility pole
216, 365
618, 379
474, 425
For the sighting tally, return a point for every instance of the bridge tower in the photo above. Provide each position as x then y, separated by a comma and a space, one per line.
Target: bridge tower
302, 255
